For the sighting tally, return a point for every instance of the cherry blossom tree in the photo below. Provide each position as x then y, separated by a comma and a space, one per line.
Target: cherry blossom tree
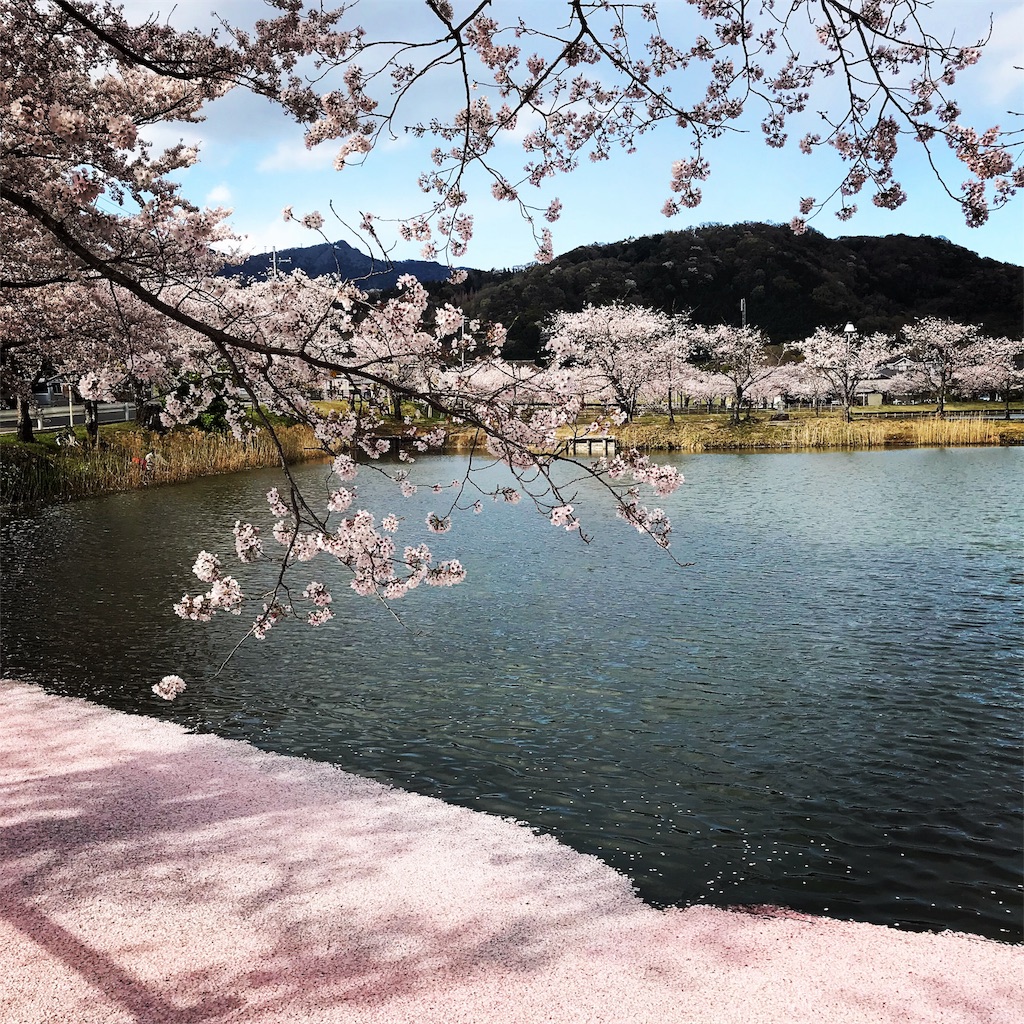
936, 357
617, 351
88, 198
996, 364
703, 386
844, 360
672, 360
814, 387
741, 356
796, 381
100, 340
20, 368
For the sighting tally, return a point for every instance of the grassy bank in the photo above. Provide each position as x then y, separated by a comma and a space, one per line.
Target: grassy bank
801, 431
43, 472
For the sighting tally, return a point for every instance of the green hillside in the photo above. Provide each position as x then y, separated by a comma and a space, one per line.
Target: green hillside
792, 283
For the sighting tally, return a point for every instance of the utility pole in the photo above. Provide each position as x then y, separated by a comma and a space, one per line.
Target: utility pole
274, 262
743, 312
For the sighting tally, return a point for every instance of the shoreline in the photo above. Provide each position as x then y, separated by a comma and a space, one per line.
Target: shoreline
150, 874
42, 474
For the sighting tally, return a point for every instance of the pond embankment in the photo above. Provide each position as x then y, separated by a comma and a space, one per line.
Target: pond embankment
43, 472
129, 458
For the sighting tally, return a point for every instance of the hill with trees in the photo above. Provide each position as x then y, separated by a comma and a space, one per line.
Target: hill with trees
792, 284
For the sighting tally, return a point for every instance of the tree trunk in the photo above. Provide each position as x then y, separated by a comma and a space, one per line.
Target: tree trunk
92, 422
671, 414
395, 404
25, 434
1006, 407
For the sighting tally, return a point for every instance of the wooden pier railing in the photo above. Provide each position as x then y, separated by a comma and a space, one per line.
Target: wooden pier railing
604, 446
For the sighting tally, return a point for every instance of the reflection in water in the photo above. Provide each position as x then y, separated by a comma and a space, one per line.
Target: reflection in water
822, 711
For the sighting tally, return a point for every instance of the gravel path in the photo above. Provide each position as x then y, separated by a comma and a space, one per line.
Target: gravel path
149, 875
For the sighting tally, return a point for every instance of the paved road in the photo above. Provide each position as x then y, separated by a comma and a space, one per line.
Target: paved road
56, 416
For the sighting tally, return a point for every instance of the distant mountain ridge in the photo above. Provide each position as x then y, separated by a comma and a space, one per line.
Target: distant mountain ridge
342, 259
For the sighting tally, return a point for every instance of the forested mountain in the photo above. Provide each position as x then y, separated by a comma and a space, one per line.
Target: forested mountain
792, 283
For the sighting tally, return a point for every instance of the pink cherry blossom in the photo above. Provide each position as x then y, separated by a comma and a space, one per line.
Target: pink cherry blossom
207, 567
439, 524
248, 545
169, 687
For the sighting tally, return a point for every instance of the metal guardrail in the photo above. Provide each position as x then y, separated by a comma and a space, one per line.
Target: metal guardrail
54, 417
949, 414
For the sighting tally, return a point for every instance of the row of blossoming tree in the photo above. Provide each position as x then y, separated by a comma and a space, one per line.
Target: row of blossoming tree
636, 358
111, 275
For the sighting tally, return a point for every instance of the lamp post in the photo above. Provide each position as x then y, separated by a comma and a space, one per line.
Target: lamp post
849, 331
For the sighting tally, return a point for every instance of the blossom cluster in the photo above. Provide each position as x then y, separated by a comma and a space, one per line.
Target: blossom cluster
225, 593
664, 479
169, 687
653, 522
563, 515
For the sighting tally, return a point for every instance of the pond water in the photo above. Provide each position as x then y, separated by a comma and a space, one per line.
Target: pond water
821, 711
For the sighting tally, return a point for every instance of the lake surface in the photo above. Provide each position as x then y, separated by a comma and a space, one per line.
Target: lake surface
822, 711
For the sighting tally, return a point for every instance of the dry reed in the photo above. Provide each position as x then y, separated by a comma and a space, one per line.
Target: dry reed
463, 438
36, 474
819, 432
31, 475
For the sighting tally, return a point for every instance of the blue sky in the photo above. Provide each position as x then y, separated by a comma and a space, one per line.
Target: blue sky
254, 161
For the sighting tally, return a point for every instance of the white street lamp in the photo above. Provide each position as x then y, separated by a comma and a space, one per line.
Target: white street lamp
849, 330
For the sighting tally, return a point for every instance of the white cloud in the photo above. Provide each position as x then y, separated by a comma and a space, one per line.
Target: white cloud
1003, 57
219, 195
292, 155
526, 122
276, 233
164, 136
396, 143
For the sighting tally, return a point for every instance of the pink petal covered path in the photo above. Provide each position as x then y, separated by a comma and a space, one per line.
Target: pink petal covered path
149, 875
